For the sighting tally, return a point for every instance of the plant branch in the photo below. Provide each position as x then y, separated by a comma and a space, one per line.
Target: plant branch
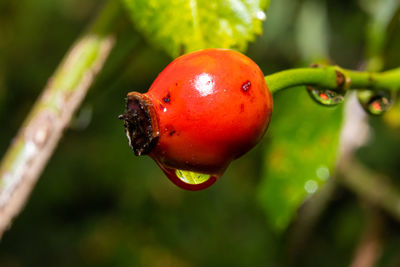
334, 77
308, 216
370, 247
370, 185
52, 112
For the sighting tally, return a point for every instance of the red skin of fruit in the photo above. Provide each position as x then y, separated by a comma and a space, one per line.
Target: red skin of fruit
212, 106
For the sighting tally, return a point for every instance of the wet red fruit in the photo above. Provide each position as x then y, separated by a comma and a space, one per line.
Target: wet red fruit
204, 109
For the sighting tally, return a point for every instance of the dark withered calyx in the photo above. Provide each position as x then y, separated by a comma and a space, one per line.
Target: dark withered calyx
140, 123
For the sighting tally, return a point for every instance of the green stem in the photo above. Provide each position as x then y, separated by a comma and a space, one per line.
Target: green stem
52, 112
333, 77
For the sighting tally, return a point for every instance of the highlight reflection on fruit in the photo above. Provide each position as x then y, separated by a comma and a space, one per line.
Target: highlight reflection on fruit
204, 110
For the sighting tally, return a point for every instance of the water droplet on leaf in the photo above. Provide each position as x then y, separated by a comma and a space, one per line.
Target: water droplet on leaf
375, 103
261, 15
326, 97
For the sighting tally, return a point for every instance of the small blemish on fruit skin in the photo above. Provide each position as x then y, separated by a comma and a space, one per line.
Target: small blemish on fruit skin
167, 98
246, 86
170, 129
164, 109
241, 107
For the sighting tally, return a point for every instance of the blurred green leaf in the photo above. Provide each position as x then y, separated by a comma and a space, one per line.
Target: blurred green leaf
301, 155
381, 14
312, 30
180, 26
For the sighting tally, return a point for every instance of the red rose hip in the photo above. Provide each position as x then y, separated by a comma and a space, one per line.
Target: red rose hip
204, 110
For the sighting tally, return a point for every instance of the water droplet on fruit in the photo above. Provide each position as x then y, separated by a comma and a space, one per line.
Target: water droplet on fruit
375, 103
192, 177
326, 97
188, 180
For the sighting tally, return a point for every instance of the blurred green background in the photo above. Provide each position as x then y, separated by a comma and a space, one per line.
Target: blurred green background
96, 204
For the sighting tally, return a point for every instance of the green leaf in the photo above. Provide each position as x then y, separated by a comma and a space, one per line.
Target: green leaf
381, 13
312, 25
301, 154
180, 26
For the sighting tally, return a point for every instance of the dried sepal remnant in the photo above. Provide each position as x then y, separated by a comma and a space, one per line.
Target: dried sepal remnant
140, 123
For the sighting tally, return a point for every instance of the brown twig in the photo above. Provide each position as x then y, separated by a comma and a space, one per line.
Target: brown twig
51, 114
371, 186
369, 249
308, 216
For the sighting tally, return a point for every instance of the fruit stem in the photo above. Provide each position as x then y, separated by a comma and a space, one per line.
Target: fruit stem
334, 77
52, 112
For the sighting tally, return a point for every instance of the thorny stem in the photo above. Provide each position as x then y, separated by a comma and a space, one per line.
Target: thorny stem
334, 77
52, 112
